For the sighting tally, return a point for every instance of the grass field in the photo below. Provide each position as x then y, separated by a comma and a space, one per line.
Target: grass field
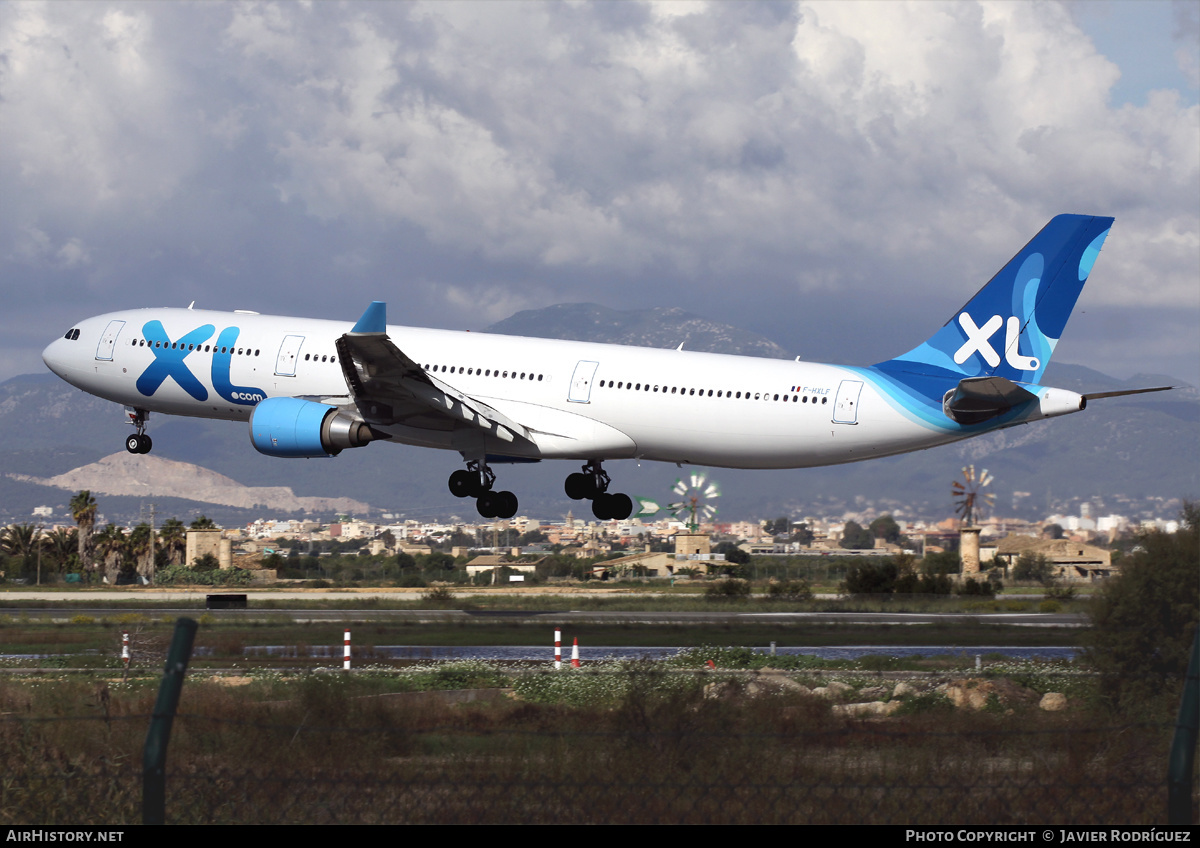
623, 742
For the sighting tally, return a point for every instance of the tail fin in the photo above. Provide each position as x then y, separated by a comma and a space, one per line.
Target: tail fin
1010, 327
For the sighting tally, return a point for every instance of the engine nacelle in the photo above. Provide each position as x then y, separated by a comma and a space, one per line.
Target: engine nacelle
290, 427
1056, 402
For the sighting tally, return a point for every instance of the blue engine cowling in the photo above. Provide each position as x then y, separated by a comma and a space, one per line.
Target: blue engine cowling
291, 427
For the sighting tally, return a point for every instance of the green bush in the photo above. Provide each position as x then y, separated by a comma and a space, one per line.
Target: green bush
180, 575
976, 588
1144, 619
791, 590
731, 588
870, 578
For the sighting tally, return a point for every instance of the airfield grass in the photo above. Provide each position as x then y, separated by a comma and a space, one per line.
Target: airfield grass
626, 743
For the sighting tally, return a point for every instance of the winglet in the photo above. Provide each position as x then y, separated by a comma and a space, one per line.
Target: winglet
374, 320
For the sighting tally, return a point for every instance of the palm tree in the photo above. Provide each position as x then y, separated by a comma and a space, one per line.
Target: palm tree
61, 545
140, 548
83, 510
112, 546
174, 540
19, 540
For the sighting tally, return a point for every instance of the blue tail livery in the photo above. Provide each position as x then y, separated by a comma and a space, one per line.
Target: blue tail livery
1010, 327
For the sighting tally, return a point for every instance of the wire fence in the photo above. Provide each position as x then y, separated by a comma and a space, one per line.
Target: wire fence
406, 768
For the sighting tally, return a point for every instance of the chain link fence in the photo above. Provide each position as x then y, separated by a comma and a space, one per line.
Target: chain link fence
227, 770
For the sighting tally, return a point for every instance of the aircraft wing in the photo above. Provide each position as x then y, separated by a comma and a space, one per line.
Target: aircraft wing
388, 387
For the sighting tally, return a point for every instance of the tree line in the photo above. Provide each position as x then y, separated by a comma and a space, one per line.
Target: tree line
110, 553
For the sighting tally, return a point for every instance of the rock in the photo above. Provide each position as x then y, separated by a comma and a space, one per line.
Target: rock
1053, 702
975, 693
873, 708
834, 691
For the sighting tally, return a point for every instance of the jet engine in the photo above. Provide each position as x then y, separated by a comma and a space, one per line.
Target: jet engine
291, 427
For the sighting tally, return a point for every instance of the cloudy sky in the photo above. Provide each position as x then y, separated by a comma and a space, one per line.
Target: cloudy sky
839, 177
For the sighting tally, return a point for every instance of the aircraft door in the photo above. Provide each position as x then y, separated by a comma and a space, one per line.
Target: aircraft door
845, 407
289, 352
108, 340
581, 381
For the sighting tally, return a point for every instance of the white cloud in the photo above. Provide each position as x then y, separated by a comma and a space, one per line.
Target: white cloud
677, 152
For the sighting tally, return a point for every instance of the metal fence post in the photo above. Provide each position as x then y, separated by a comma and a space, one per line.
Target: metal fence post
1183, 747
154, 754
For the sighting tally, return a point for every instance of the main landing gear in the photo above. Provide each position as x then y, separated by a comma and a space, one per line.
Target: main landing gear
592, 484
476, 481
139, 442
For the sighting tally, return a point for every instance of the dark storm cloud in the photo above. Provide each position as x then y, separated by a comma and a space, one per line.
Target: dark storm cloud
861, 167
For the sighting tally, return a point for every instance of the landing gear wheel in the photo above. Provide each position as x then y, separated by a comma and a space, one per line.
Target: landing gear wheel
579, 486
607, 507
590, 483
138, 443
603, 507
497, 504
464, 484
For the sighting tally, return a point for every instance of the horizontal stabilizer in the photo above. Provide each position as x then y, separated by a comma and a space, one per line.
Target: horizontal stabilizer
1098, 395
977, 399
374, 320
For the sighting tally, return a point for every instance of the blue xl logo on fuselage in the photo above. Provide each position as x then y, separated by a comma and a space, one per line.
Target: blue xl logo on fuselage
169, 362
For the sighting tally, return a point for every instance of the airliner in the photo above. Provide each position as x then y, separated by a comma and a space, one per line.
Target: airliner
315, 387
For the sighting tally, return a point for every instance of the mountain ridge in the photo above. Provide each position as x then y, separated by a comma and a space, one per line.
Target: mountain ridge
1121, 454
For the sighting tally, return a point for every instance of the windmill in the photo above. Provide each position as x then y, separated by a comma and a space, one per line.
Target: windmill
695, 504
970, 501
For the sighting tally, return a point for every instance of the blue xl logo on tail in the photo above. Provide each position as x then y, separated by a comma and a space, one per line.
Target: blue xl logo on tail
979, 339
169, 362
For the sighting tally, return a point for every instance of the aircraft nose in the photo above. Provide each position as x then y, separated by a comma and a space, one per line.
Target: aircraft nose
55, 356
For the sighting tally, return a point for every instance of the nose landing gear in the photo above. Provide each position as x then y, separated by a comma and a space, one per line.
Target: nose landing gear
592, 484
476, 481
139, 442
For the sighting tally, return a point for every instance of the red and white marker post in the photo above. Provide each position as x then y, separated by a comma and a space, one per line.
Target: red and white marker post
557, 648
125, 650
575, 654
346, 653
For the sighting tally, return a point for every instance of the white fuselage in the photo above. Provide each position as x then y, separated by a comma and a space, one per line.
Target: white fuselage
667, 405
